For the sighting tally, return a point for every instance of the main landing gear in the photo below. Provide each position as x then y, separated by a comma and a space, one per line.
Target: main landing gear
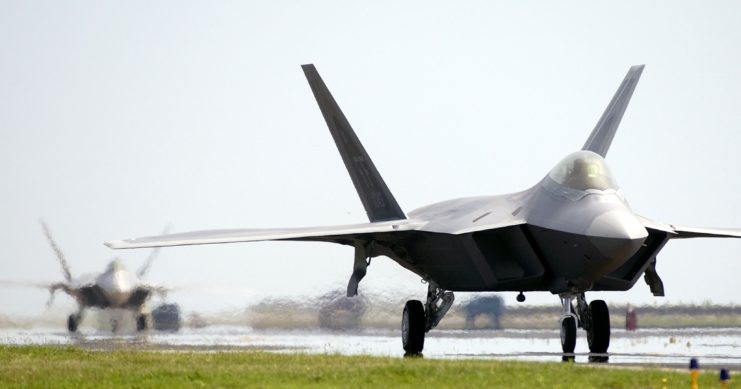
593, 318
418, 319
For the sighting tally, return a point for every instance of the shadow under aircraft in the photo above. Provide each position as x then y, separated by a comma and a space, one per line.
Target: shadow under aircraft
572, 232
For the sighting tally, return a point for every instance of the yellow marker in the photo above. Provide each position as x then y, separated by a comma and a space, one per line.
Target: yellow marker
694, 373
663, 383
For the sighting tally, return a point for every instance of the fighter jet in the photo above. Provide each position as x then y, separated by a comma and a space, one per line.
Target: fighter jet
572, 232
116, 287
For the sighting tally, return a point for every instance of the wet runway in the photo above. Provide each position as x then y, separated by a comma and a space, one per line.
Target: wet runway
656, 347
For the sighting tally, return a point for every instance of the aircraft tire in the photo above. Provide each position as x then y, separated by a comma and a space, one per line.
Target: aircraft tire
73, 321
568, 334
413, 327
598, 335
141, 322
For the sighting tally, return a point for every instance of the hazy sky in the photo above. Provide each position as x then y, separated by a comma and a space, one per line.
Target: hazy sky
119, 117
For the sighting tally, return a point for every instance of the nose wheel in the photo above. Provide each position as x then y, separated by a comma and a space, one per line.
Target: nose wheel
594, 318
598, 332
568, 334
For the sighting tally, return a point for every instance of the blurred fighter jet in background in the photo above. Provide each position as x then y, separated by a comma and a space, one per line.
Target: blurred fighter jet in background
116, 287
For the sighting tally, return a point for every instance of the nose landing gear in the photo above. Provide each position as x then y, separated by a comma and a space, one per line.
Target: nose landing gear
598, 331
594, 318
568, 326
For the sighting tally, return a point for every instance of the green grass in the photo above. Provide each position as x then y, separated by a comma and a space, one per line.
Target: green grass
62, 367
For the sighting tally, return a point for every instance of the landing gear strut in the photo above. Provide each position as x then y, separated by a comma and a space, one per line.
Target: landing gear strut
418, 319
594, 318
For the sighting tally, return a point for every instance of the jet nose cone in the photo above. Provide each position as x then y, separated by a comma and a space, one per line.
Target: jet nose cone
617, 234
618, 224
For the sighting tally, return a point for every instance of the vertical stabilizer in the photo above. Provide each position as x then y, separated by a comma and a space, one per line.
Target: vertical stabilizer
601, 137
378, 201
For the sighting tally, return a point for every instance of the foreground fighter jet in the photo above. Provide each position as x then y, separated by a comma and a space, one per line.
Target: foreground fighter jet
116, 287
570, 233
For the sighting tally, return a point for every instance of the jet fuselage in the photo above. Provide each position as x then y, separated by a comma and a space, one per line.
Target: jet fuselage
578, 225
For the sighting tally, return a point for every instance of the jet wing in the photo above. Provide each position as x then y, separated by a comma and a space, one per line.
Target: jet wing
684, 232
344, 234
25, 284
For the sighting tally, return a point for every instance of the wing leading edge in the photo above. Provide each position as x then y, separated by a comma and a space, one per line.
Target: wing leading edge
337, 234
685, 232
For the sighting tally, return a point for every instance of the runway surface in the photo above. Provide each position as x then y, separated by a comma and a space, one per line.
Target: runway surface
655, 347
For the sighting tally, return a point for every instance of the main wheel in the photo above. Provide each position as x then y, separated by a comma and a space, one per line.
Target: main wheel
73, 321
598, 335
568, 334
413, 327
141, 322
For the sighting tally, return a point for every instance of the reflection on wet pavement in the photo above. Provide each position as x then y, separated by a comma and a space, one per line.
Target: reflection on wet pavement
715, 347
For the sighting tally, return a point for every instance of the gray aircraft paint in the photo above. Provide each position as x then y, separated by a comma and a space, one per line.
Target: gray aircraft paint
116, 287
555, 236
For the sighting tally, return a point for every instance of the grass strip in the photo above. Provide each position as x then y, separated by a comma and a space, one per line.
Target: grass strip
74, 367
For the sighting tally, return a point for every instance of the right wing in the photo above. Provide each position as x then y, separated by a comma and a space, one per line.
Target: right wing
346, 234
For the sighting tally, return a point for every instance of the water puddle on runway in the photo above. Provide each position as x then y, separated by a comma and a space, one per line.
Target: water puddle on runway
671, 348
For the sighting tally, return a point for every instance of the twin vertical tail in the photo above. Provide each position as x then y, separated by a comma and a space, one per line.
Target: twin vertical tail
601, 137
376, 197
57, 251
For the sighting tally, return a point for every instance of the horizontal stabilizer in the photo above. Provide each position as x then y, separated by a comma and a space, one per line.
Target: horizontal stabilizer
376, 197
601, 137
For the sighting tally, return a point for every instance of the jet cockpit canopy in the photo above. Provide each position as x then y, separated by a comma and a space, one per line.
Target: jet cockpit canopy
583, 170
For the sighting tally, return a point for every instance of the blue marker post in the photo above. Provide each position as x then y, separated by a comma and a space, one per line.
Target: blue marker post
725, 378
694, 373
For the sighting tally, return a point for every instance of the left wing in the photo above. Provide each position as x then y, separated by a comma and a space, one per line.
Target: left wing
346, 234
684, 232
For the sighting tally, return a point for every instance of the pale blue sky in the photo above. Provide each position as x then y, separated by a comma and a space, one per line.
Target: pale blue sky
118, 117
